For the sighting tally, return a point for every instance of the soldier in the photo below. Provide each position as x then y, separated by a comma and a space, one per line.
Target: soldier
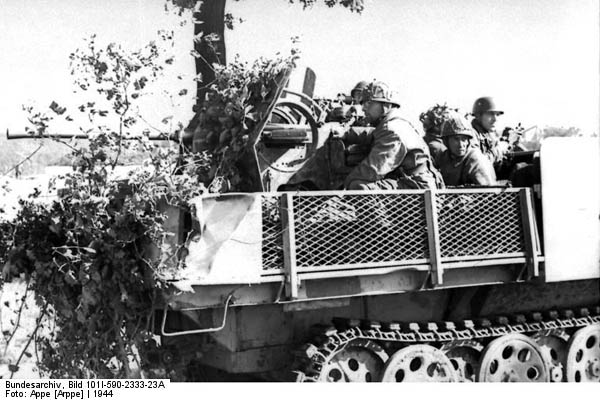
355, 114
462, 163
357, 92
486, 112
432, 121
348, 110
399, 158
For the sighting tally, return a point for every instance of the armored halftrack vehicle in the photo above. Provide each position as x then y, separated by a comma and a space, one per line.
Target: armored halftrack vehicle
297, 279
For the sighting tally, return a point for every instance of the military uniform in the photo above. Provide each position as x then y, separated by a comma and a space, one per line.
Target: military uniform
488, 143
471, 169
436, 146
398, 159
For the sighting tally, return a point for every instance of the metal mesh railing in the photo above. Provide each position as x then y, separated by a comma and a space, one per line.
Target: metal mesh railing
479, 224
376, 229
272, 233
359, 229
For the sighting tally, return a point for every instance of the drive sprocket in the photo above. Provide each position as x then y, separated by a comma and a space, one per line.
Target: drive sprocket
358, 361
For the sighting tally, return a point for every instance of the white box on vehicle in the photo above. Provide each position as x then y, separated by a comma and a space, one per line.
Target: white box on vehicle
570, 170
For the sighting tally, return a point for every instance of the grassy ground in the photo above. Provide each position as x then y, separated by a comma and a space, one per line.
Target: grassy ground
12, 152
11, 295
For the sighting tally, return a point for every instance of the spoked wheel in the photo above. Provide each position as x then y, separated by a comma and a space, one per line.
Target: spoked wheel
554, 346
464, 356
419, 363
513, 358
583, 357
283, 155
359, 361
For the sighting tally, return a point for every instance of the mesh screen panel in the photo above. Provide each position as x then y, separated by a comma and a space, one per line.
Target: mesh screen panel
358, 229
473, 224
352, 229
272, 238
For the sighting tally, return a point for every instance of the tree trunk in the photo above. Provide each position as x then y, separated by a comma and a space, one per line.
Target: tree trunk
212, 14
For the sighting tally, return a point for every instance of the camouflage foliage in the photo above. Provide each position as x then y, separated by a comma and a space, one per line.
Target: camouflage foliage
433, 118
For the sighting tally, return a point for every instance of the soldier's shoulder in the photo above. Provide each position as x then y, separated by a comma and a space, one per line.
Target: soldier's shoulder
475, 155
401, 123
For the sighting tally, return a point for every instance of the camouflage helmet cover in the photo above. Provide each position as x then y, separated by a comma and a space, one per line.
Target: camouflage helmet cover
485, 104
456, 125
380, 92
433, 118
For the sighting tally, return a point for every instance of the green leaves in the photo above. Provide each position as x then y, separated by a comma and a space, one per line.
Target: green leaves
57, 109
70, 278
89, 296
86, 254
227, 117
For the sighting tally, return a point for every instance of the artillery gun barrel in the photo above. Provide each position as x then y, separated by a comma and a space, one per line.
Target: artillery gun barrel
9, 136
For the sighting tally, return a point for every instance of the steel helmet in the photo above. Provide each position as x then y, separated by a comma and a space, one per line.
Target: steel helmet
379, 91
456, 125
359, 87
485, 104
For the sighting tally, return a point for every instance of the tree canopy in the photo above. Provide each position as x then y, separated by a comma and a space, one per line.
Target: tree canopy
210, 21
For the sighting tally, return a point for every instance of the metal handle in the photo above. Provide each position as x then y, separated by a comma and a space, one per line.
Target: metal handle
194, 331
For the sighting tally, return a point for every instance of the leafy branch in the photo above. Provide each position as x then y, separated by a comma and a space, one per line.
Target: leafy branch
98, 255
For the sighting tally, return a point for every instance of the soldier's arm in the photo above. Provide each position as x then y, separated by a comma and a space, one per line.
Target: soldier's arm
498, 148
479, 170
501, 150
359, 135
385, 156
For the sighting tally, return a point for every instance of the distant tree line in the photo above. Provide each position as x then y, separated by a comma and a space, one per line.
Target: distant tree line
536, 139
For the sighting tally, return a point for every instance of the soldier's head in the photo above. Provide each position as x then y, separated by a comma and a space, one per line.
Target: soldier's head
357, 92
433, 119
457, 134
378, 100
486, 112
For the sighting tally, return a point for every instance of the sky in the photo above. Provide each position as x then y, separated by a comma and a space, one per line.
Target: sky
37, 37
539, 58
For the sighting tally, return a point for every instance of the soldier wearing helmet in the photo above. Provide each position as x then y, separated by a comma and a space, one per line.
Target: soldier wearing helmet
486, 112
355, 113
357, 92
398, 158
432, 121
349, 109
462, 163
